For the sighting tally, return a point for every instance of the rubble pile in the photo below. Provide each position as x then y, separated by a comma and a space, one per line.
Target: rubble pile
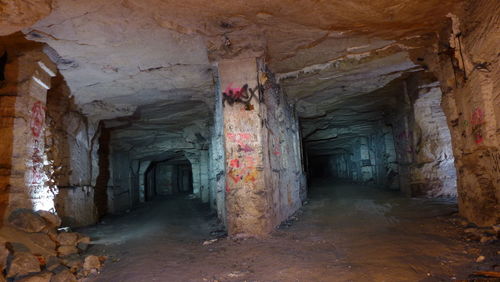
33, 249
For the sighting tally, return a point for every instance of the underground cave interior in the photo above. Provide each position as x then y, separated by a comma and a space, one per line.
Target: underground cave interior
234, 118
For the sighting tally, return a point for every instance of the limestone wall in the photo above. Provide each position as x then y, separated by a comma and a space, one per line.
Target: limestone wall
467, 64
282, 150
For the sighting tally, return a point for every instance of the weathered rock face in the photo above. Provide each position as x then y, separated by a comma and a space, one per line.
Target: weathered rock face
142, 77
18, 14
467, 65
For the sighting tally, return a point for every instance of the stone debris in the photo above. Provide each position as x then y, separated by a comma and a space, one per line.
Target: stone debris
37, 252
209, 242
40, 277
480, 259
23, 264
27, 220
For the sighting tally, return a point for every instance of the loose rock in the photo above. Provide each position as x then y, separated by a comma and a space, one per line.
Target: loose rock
43, 240
52, 219
67, 239
40, 277
23, 264
91, 263
480, 259
66, 250
27, 220
63, 276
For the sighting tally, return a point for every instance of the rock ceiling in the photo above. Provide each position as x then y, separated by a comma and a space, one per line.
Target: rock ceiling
119, 55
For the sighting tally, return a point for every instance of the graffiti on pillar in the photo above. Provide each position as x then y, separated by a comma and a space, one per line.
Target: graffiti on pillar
241, 95
37, 119
242, 165
241, 139
276, 146
242, 169
477, 120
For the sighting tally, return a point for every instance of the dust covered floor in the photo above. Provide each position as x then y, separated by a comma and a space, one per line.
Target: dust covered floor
346, 232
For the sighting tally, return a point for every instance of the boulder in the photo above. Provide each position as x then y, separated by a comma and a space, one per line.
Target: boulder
52, 220
91, 264
40, 277
23, 264
74, 262
67, 239
52, 263
27, 220
43, 240
66, 250
63, 276
82, 246
83, 238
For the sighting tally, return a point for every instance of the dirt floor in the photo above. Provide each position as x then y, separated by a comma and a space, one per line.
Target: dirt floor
346, 232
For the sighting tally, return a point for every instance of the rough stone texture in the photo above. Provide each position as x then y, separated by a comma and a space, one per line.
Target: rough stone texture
24, 167
90, 264
283, 169
67, 238
467, 65
77, 206
71, 139
41, 277
247, 209
262, 151
23, 264
27, 220
66, 250
18, 14
433, 170
64, 276
52, 219
43, 241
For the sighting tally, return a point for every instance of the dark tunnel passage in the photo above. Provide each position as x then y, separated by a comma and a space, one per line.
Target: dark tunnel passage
168, 177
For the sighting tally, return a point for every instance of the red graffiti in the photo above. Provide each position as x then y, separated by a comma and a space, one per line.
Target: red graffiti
227, 188
37, 118
235, 93
245, 148
235, 163
477, 117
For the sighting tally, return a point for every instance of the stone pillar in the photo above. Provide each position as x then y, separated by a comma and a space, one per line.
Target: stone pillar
194, 159
246, 199
204, 188
24, 166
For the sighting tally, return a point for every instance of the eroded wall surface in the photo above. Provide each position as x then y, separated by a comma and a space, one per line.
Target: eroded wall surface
467, 64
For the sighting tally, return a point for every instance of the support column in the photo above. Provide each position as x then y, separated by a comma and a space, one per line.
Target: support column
24, 166
204, 188
246, 198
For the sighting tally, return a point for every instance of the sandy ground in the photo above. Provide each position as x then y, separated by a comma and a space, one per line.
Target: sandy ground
346, 232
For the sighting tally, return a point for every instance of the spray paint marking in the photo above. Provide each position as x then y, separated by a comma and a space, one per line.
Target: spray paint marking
37, 118
477, 120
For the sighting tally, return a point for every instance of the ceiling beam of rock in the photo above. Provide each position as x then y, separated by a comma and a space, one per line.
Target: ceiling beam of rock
143, 65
